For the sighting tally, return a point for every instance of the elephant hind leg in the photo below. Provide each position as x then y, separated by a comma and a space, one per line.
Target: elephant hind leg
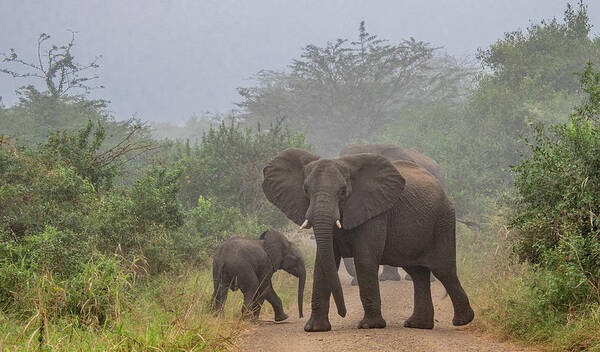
251, 288
349, 264
389, 273
219, 296
422, 316
463, 313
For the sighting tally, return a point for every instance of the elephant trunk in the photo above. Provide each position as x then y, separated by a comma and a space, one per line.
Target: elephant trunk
301, 282
323, 229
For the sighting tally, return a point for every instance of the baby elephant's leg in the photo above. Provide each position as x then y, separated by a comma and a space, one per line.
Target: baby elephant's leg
275, 301
249, 285
219, 296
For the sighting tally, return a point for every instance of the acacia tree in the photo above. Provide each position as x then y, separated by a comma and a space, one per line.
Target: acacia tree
346, 90
55, 65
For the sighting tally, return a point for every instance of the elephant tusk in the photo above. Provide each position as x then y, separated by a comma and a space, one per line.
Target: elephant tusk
304, 224
339, 224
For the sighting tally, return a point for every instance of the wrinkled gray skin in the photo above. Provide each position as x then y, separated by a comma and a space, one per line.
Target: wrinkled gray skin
392, 152
394, 214
249, 266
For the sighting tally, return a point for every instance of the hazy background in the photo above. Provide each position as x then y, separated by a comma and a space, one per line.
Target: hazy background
167, 60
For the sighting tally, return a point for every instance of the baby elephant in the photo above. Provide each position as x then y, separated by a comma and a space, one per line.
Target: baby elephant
249, 266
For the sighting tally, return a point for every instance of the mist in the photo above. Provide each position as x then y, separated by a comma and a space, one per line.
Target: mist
167, 60
155, 156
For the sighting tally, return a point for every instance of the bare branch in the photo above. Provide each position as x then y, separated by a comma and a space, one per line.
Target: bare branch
60, 74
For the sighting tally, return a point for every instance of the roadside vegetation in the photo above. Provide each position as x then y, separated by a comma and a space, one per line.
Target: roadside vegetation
107, 227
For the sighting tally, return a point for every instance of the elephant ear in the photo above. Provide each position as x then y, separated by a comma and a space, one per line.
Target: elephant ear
283, 183
376, 186
276, 246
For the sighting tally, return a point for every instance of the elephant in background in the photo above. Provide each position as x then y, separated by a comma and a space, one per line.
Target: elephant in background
392, 152
365, 207
249, 265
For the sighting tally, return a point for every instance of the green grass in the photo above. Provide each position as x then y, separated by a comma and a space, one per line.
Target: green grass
166, 314
509, 306
169, 312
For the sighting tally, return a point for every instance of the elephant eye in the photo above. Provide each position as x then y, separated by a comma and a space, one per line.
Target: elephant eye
305, 187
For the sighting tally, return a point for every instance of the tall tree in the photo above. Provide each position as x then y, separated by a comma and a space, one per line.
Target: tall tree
346, 90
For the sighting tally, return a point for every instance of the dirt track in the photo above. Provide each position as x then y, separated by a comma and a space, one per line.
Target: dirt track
396, 305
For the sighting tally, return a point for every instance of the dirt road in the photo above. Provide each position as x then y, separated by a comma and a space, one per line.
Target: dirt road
396, 305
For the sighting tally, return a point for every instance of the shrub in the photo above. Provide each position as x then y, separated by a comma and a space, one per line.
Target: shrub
227, 167
209, 224
556, 214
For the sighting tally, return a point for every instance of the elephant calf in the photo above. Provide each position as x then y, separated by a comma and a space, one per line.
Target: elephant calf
249, 266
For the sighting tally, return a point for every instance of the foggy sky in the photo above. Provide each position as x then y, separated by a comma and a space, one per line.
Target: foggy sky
166, 60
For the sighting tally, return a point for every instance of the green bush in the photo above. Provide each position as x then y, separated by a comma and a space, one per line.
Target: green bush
73, 237
60, 215
154, 197
60, 252
556, 212
209, 224
227, 167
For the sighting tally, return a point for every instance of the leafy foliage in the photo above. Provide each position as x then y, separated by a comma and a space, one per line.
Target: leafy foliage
227, 167
548, 53
72, 232
536, 69
556, 221
530, 79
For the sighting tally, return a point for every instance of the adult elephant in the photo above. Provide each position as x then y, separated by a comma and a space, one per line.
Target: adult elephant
392, 152
365, 207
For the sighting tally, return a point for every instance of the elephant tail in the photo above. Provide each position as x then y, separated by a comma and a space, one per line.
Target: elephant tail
469, 224
221, 287
221, 278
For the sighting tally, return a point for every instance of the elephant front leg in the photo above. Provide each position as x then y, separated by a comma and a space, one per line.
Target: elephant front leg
275, 301
319, 317
367, 269
422, 317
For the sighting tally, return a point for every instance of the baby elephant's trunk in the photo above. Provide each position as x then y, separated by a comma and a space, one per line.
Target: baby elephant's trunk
301, 282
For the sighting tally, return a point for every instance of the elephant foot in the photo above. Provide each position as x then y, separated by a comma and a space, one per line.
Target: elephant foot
315, 324
390, 276
372, 323
281, 317
464, 318
354, 282
418, 323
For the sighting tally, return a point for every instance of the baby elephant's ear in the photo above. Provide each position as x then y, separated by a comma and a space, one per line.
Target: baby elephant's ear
276, 246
